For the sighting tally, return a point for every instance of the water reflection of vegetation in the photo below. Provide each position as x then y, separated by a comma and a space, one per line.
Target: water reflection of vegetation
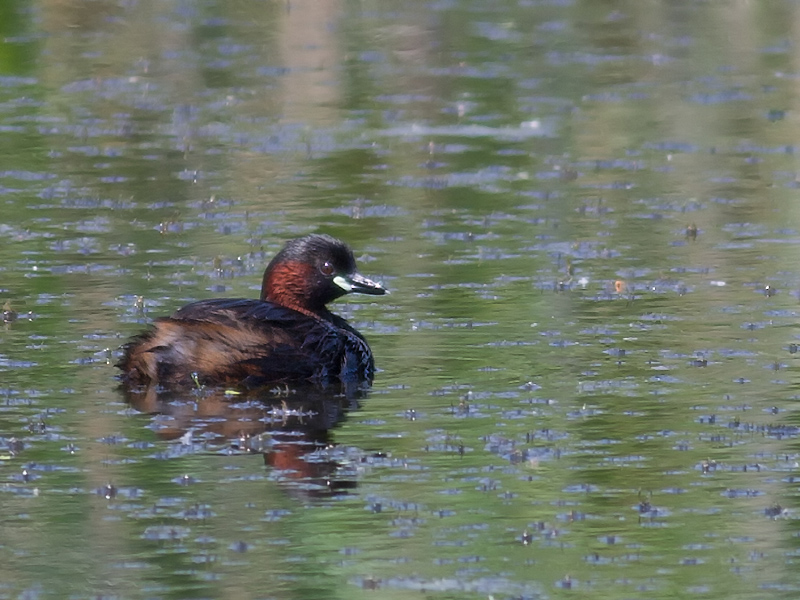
142, 144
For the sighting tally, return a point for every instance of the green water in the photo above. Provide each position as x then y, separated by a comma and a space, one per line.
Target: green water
586, 214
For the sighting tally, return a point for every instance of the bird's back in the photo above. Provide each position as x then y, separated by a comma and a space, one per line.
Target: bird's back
250, 341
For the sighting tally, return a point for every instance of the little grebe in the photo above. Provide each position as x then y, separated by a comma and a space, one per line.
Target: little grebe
287, 335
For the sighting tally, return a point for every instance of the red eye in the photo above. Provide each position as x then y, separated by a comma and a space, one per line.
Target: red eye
327, 269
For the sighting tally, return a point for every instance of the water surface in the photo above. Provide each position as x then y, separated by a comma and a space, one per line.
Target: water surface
586, 214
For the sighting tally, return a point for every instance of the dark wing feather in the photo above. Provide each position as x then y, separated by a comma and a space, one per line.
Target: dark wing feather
358, 363
231, 340
222, 341
238, 309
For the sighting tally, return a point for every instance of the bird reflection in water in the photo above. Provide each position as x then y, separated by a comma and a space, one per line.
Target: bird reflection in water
287, 425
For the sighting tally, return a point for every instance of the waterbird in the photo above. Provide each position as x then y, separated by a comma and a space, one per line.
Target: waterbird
288, 335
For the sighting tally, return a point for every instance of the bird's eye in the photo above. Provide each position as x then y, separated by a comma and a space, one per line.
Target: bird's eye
327, 268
